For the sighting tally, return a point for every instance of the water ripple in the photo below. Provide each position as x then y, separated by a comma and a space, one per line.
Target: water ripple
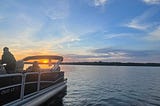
112, 86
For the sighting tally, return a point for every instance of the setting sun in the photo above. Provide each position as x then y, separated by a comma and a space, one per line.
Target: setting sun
45, 61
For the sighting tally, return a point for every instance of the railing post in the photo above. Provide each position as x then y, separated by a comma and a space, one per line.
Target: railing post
23, 85
39, 81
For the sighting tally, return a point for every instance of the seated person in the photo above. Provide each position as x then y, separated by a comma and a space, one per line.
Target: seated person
34, 68
19, 66
9, 60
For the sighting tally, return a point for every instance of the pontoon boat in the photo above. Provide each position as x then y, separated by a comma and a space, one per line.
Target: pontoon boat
29, 86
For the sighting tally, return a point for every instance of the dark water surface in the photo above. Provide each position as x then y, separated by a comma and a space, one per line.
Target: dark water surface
112, 86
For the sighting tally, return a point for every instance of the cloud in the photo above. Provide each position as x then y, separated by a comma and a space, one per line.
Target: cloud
110, 36
60, 10
19, 34
142, 22
129, 55
67, 37
116, 56
97, 3
135, 24
94, 57
152, 1
154, 35
24, 37
100, 2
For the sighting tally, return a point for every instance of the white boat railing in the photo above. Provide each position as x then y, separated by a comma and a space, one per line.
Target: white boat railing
23, 82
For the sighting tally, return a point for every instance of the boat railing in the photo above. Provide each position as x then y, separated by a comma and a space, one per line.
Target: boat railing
56, 65
24, 77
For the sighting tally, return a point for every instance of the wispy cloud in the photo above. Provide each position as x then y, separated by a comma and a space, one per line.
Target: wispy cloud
141, 22
115, 35
95, 57
135, 23
60, 10
112, 51
152, 1
154, 35
18, 35
65, 40
130, 55
100, 2
68, 37
98, 55
97, 3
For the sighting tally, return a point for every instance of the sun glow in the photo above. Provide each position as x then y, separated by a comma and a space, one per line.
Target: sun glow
45, 61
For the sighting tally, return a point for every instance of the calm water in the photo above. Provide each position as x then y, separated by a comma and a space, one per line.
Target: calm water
112, 86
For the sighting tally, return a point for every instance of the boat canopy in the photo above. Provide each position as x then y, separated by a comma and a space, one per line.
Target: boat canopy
50, 57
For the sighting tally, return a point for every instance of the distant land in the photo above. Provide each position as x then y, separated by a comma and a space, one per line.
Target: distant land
112, 64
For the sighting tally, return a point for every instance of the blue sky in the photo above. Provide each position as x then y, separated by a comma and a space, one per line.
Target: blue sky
82, 30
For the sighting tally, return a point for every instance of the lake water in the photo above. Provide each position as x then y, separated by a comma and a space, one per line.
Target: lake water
112, 86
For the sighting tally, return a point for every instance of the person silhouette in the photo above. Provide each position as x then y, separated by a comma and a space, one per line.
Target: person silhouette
35, 66
9, 60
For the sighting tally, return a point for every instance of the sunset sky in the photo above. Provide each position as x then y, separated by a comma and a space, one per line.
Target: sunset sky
82, 30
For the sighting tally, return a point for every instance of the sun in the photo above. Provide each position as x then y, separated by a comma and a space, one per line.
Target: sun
45, 61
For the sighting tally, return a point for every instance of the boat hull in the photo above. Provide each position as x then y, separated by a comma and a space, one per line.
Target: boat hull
41, 98
21, 88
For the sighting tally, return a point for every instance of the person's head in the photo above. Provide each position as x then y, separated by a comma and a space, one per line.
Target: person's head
35, 63
6, 49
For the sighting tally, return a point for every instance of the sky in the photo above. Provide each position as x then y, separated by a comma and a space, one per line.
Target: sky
82, 30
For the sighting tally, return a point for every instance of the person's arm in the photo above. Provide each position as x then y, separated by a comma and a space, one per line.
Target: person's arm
2, 61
